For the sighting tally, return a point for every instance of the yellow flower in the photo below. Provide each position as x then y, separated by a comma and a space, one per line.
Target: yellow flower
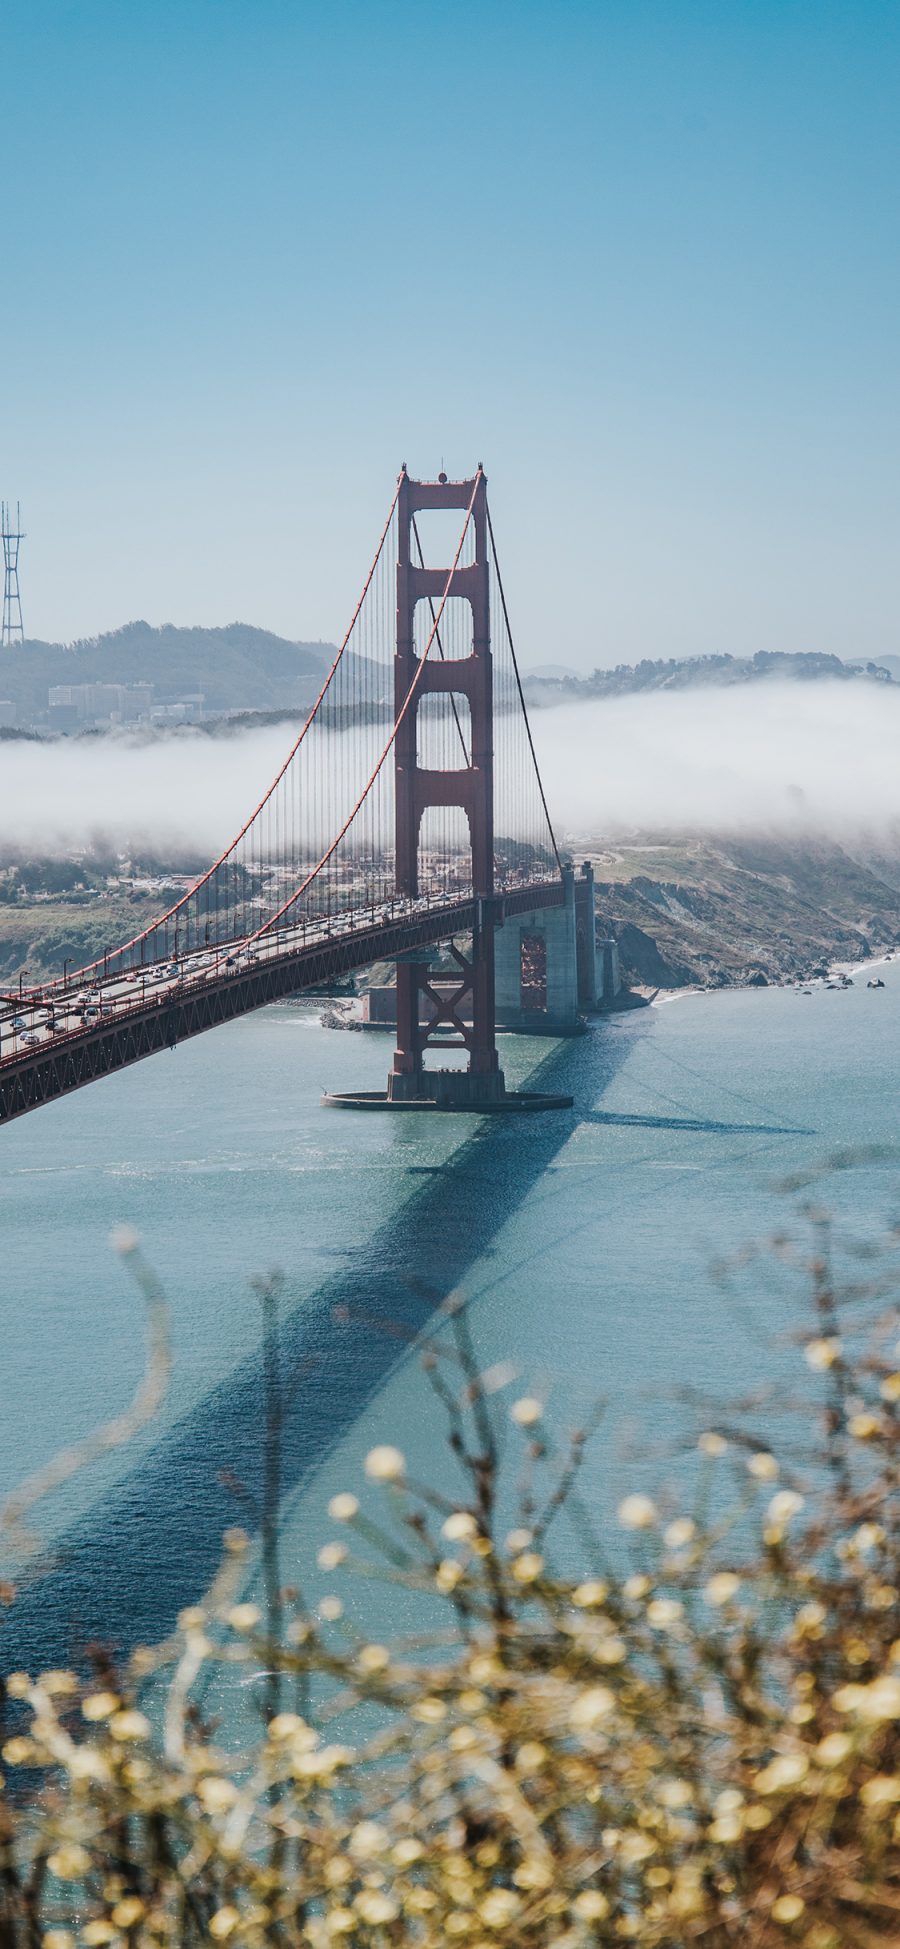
339, 1921
882, 1791
527, 1411
590, 1707
587, 1596
823, 1353
216, 1794
69, 1862
343, 1508
418, 1901
243, 1617
59, 1684
763, 1466
462, 1739
530, 1757
331, 1757
609, 1651
430, 1711
726, 1828
890, 1388
590, 1905
712, 1444
58, 1939
129, 1725
867, 1537
375, 1907
99, 1705
95, 1934
20, 1751
307, 1765
637, 1512
863, 1426
664, 1612
331, 1555
675, 1794
330, 1609
527, 1567
499, 1907
385, 1464
368, 1838
518, 1539
460, 1526
635, 1847
833, 1749
448, 1574
879, 1701
224, 1922
636, 1587
687, 1897
722, 1587
192, 1618
408, 1851
127, 1912
302, 1738
374, 1658
757, 1818
284, 1725
788, 1908
785, 1770
677, 1534
784, 1505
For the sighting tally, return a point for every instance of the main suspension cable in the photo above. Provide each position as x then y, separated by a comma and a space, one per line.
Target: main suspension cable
515, 665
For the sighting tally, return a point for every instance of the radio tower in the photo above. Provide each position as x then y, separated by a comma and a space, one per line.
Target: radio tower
12, 631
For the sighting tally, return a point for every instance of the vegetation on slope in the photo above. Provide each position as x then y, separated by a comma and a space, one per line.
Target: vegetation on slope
688, 1734
725, 911
700, 672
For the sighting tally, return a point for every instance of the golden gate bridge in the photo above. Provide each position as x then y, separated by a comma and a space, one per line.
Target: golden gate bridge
409, 812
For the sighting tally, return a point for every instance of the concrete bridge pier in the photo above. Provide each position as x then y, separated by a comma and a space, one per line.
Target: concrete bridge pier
547, 972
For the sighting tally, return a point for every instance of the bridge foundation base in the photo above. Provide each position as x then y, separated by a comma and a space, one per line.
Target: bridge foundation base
446, 1089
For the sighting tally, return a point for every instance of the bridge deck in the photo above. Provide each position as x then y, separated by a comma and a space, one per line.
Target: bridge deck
213, 986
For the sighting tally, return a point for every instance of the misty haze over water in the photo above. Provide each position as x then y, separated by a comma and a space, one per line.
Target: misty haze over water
782, 758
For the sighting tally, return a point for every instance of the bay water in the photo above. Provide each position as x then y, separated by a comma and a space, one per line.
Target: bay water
587, 1242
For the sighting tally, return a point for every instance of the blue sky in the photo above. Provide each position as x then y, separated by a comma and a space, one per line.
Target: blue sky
638, 256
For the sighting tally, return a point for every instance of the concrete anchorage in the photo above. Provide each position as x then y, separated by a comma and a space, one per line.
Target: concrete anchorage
551, 971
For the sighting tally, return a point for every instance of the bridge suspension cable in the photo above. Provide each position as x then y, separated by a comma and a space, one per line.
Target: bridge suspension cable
318, 849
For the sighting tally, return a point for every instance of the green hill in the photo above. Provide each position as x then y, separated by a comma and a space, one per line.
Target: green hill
237, 667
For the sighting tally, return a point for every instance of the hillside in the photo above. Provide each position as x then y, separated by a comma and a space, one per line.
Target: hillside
544, 686
721, 913
236, 668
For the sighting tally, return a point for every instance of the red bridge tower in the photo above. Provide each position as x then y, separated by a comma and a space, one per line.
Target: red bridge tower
471, 787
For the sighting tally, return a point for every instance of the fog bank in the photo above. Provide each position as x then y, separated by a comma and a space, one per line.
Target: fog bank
789, 758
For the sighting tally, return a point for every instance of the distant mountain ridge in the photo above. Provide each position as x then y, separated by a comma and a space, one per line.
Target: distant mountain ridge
701, 672
241, 668
236, 667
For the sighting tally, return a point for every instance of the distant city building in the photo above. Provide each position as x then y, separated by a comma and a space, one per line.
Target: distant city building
185, 710
8, 714
70, 705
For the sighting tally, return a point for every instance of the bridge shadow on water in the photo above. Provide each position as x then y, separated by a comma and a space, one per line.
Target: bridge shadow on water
123, 1572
